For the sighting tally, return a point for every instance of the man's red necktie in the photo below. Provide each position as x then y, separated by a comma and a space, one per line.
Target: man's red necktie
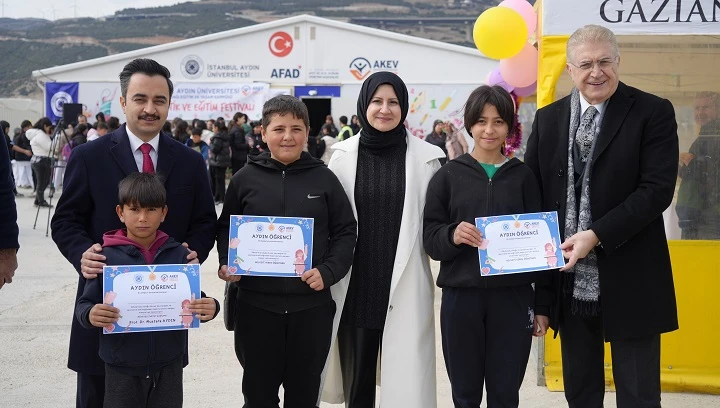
148, 166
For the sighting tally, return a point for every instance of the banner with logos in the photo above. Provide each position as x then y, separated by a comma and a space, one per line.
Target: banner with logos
197, 100
632, 17
190, 100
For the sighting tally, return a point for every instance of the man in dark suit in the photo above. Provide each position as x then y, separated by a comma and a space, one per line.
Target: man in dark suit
86, 208
606, 159
8, 218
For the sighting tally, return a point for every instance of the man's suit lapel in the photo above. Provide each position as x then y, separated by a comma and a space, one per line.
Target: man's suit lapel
121, 151
166, 155
617, 109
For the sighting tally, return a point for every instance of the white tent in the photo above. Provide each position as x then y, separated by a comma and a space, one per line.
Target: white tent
321, 61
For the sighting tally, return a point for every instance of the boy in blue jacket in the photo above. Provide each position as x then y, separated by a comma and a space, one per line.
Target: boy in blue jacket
141, 369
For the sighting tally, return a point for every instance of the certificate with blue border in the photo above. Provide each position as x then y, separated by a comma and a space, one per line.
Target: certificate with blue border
270, 246
151, 297
519, 243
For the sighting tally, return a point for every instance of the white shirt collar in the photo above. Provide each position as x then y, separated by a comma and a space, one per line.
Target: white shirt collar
135, 141
585, 104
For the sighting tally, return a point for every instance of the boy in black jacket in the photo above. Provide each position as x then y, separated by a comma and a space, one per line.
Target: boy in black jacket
283, 326
487, 322
142, 369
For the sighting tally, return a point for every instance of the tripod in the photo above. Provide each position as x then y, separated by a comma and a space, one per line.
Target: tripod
54, 166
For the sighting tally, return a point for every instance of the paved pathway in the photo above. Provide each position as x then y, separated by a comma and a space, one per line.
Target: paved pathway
37, 308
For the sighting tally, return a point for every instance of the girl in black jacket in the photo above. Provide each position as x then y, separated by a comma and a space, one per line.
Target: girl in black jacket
220, 159
487, 322
283, 326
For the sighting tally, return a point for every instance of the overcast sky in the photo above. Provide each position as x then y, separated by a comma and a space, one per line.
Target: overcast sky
57, 9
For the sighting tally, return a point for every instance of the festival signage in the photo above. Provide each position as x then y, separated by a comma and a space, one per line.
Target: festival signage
628, 17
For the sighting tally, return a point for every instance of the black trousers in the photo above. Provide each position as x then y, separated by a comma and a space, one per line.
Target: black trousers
90, 391
42, 169
238, 163
288, 349
163, 389
636, 365
219, 182
486, 337
359, 349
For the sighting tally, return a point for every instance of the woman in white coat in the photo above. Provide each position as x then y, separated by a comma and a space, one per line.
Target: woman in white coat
385, 304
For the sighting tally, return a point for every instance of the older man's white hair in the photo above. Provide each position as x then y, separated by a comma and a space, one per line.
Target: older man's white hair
591, 34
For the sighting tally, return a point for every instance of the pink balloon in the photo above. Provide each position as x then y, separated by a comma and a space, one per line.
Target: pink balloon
495, 78
525, 10
526, 91
521, 70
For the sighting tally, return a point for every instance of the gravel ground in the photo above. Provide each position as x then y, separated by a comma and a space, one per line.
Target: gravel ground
36, 312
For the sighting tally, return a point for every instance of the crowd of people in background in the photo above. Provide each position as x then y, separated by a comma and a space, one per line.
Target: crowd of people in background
39, 157
39, 152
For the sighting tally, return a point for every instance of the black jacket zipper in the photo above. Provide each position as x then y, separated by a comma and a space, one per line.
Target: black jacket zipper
284, 213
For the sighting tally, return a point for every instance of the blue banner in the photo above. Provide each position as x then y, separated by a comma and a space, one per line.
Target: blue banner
58, 94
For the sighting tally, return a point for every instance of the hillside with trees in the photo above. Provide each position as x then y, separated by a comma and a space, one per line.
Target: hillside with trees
31, 44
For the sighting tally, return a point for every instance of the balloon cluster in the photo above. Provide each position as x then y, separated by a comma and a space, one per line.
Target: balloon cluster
502, 33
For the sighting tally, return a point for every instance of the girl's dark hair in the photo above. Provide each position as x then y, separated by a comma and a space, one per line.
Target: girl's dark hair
221, 126
181, 131
167, 127
496, 96
42, 122
144, 190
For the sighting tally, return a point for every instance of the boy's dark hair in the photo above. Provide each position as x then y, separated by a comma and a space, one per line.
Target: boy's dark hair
25, 124
167, 127
144, 66
196, 131
113, 123
496, 96
255, 123
101, 125
343, 120
144, 190
201, 124
81, 128
282, 105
